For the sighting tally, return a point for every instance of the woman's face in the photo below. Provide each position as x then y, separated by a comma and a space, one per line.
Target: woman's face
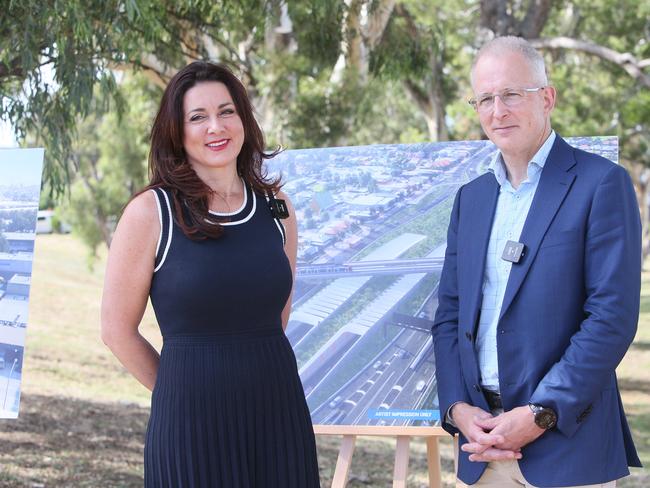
213, 133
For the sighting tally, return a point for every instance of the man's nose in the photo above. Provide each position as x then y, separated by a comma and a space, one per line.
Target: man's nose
499, 109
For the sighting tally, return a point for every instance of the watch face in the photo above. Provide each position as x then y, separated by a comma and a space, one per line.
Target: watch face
545, 418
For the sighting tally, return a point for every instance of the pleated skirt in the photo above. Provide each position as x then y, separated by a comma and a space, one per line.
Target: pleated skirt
229, 411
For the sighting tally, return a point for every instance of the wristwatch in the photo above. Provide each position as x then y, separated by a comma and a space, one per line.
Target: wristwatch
545, 418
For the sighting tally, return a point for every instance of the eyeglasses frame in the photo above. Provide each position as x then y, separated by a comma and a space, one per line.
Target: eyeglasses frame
474, 101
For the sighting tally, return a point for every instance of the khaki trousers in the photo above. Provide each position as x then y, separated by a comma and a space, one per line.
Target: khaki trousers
506, 474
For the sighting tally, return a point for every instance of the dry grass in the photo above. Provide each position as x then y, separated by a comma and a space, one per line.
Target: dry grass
83, 418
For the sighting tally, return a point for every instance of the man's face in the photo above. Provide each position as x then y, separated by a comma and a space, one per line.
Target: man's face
518, 131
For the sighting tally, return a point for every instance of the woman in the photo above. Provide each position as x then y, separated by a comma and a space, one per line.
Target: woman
227, 409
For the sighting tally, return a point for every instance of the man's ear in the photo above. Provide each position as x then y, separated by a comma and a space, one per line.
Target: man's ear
549, 95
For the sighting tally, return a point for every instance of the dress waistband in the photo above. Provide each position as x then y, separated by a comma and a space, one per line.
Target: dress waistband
223, 337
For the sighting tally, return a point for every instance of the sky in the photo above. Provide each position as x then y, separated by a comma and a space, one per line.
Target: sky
6, 135
21, 166
18, 166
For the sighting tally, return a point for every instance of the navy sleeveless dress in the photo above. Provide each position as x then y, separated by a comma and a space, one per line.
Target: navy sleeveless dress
228, 409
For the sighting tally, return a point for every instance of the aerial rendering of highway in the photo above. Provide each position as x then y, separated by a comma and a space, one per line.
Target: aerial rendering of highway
372, 234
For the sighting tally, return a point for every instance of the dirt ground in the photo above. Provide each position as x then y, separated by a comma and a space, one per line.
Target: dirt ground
66, 442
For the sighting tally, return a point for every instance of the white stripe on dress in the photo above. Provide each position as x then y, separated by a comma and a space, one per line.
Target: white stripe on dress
169, 232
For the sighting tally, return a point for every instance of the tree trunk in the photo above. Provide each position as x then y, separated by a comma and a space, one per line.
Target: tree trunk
429, 95
431, 103
497, 16
361, 34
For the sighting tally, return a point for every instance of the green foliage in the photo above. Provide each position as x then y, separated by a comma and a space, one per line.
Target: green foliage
597, 97
384, 114
111, 156
317, 30
57, 59
317, 115
403, 50
54, 56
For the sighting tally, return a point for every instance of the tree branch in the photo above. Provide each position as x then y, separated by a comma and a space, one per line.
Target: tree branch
16, 68
377, 21
420, 97
626, 61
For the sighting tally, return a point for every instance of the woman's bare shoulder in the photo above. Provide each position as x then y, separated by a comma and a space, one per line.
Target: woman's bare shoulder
140, 218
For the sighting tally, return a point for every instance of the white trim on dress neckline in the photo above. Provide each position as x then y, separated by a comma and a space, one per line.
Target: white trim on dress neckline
240, 209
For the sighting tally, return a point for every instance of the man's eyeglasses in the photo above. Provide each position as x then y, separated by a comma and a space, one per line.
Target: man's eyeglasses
510, 97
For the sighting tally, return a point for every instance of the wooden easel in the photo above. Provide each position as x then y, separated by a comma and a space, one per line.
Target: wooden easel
403, 436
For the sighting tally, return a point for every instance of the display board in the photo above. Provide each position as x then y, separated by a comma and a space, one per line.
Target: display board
20, 184
372, 231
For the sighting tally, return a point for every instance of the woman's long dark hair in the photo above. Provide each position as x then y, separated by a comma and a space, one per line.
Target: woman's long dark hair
168, 165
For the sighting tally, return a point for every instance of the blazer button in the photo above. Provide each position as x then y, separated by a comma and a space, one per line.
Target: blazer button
477, 388
469, 336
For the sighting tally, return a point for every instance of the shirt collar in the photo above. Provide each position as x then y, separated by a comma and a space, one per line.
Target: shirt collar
498, 167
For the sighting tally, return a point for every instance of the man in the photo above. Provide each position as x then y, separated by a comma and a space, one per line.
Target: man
539, 295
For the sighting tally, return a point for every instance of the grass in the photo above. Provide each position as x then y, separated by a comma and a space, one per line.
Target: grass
83, 418
634, 382
64, 352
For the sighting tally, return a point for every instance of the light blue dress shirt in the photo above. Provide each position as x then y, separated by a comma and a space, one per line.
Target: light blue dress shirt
509, 218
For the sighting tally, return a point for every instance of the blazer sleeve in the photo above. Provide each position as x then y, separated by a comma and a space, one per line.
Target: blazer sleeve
612, 271
451, 386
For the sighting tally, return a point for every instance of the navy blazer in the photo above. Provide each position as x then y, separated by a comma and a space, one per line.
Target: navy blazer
569, 314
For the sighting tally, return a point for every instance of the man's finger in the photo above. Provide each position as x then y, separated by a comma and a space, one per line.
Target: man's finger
493, 454
487, 438
482, 414
487, 423
475, 447
508, 446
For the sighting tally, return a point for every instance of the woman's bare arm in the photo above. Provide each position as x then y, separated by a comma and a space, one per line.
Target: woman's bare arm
126, 288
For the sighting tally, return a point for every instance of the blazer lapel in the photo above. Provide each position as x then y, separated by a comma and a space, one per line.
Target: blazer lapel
478, 226
553, 186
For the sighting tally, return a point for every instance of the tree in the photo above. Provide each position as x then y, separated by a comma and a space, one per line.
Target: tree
605, 44
322, 72
53, 57
111, 154
57, 55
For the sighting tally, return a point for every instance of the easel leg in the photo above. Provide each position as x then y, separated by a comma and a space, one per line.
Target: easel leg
456, 449
343, 462
459, 484
433, 461
401, 461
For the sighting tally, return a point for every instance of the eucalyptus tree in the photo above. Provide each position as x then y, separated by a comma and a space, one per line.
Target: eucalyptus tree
57, 55
110, 154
